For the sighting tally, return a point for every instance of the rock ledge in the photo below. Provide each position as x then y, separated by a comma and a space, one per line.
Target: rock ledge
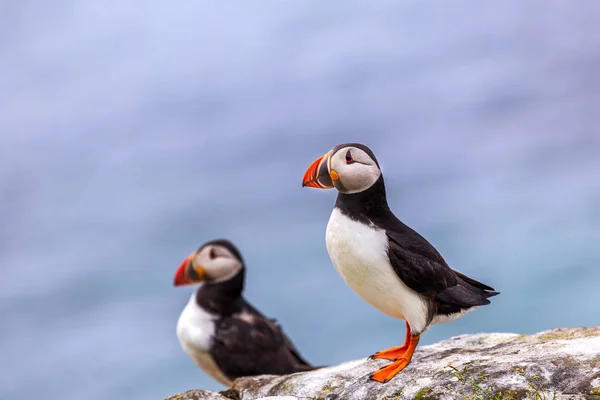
555, 364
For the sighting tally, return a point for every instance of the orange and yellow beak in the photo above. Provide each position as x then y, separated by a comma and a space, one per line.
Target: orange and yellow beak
187, 274
319, 175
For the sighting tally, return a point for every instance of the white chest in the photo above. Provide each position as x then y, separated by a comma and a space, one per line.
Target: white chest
359, 254
195, 329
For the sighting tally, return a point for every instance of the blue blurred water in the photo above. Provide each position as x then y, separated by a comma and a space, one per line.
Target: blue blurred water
130, 134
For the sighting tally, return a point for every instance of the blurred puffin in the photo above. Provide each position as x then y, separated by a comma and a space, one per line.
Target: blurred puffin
220, 330
384, 261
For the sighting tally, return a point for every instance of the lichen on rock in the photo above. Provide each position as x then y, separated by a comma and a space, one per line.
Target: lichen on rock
556, 364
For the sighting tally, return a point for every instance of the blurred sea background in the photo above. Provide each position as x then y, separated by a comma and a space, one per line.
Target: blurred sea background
132, 133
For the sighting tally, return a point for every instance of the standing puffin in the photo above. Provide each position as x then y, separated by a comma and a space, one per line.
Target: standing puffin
220, 330
384, 261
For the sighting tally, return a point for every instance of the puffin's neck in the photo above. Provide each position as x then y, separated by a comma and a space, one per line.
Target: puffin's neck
222, 298
368, 205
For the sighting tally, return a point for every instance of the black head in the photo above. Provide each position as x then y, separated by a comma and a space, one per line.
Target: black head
214, 262
349, 167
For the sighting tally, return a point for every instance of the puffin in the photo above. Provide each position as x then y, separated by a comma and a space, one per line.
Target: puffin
387, 263
219, 330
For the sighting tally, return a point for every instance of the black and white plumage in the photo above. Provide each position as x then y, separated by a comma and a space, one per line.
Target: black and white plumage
384, 261
224, 334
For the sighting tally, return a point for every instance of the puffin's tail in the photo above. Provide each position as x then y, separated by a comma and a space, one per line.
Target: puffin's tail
474, 293
300, 364
466, 294
489, 291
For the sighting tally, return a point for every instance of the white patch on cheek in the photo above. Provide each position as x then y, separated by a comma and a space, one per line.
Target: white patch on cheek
225, 270
357, 177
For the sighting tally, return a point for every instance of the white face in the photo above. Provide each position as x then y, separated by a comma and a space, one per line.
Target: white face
356, 170
218, 263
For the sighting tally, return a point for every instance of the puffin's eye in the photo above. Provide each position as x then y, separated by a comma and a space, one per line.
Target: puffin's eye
212, 254
349, 159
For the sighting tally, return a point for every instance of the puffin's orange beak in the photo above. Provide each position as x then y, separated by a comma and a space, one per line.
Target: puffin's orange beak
318, 174
186, 273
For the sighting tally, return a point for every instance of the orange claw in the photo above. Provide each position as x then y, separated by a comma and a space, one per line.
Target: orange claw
386, 373
394, 353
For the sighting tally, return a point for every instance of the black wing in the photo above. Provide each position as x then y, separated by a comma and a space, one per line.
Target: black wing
287, 341
254, 345
423, 269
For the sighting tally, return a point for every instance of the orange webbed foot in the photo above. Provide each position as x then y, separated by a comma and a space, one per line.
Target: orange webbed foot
392, 354
385, 374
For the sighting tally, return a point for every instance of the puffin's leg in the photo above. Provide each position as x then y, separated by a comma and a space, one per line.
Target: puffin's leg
386, 373
394, 353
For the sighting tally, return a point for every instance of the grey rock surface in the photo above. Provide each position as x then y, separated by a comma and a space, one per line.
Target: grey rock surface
197, 395
555, 364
